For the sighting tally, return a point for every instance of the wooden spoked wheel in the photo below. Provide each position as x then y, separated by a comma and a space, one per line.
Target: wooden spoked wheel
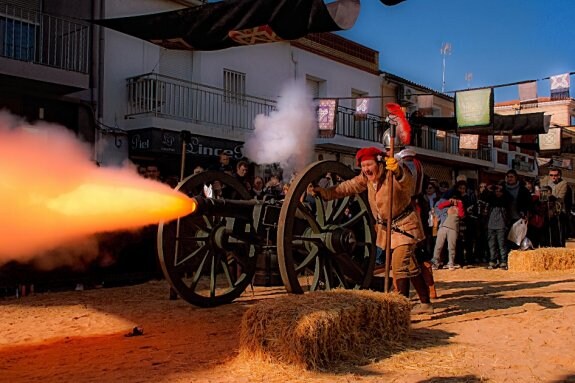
208, 260
324, 245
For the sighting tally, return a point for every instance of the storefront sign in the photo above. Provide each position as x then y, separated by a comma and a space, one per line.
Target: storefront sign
155, 140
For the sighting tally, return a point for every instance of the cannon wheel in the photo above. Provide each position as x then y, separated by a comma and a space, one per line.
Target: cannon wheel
206, 264
320, 248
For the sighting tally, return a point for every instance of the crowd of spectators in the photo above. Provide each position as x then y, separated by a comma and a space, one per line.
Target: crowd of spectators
466, 226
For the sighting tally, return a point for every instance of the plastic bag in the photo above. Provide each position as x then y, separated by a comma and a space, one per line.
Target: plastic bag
518, 231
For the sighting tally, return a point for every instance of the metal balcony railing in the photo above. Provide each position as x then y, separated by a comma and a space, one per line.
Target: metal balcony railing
368, 127
443, 142
168, 97
39, 38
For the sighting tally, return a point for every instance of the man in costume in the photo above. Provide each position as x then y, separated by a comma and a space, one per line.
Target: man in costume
406, 228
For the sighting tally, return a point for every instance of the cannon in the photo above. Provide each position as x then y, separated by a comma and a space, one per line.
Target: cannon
209, 257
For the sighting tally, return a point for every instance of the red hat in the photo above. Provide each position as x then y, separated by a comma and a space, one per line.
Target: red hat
370, 153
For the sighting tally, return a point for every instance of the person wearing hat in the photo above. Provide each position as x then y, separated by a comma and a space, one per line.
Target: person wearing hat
407, 229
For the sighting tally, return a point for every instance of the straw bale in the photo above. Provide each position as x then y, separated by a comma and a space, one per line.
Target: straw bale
319, 329
542, 259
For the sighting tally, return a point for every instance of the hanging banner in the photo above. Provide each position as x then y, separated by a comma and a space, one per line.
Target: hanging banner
551, 140
560, 85
474, 110
425, 104
326, 117
528, 93
469, 141
231, 23
361, 108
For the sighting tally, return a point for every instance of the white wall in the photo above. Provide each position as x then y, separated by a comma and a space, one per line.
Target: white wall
268, 67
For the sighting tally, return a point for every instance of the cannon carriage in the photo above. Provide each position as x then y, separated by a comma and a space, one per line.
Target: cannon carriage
209, 257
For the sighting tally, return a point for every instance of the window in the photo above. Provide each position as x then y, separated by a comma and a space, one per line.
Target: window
234, 86
17, 39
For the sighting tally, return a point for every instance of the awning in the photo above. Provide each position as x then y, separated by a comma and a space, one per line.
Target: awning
515, 124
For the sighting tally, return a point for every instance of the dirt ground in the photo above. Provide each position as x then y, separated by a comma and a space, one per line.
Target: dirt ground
489, 326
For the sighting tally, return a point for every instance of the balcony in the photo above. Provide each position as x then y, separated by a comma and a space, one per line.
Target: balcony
39, 47
167, 97
156, 95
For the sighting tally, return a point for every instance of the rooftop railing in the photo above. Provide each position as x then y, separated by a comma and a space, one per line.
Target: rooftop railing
39, 38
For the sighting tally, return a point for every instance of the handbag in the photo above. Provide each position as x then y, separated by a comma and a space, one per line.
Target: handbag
518, 231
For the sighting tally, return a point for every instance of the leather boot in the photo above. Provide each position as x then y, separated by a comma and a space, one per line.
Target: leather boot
402, 286
425, 307
427, 272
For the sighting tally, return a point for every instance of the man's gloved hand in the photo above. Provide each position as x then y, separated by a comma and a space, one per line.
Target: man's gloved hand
321, 191
392, 165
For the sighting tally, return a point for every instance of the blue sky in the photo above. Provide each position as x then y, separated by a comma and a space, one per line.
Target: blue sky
498, 41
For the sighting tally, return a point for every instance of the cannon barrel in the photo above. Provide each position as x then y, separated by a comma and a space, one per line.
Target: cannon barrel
225, 207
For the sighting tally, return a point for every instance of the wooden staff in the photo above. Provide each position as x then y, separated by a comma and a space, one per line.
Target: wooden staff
389, 176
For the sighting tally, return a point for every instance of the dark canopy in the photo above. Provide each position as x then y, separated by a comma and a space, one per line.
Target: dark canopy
231, 23
516, 124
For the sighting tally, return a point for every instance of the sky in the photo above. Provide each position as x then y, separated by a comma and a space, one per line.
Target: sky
497, 41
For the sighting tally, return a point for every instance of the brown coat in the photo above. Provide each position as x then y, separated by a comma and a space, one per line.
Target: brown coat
379, 203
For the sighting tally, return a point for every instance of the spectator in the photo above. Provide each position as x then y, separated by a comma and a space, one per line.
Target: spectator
198, 169
497, 224
274, 187
520, 202
537, 216
443, 188
258, 188
426, 203
153, 173
223, 164
450, 212
559, 222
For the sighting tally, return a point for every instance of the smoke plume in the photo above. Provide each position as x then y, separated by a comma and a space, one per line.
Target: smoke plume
286, 136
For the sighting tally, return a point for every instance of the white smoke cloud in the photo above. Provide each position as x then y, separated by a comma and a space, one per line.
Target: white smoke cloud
286, 136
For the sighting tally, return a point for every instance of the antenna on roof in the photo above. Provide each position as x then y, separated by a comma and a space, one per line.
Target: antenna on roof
468, 78
445, 51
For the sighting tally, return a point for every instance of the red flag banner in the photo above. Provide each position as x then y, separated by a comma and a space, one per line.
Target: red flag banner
230, 23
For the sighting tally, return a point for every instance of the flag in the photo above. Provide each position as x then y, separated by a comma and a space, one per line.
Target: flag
469, 141
425, 104
326, 117
528, 93
541, 161
550, 140
231, 23
560, 86
474, 110
361, 107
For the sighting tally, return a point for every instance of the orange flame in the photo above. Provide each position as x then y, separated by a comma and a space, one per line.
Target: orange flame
51, 193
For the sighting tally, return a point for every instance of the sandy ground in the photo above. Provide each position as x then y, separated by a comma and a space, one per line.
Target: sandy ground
489, 326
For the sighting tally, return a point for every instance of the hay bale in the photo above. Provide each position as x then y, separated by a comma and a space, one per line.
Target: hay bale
318, 329
543, 259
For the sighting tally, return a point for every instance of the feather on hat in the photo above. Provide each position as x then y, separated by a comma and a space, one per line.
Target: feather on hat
403, 130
